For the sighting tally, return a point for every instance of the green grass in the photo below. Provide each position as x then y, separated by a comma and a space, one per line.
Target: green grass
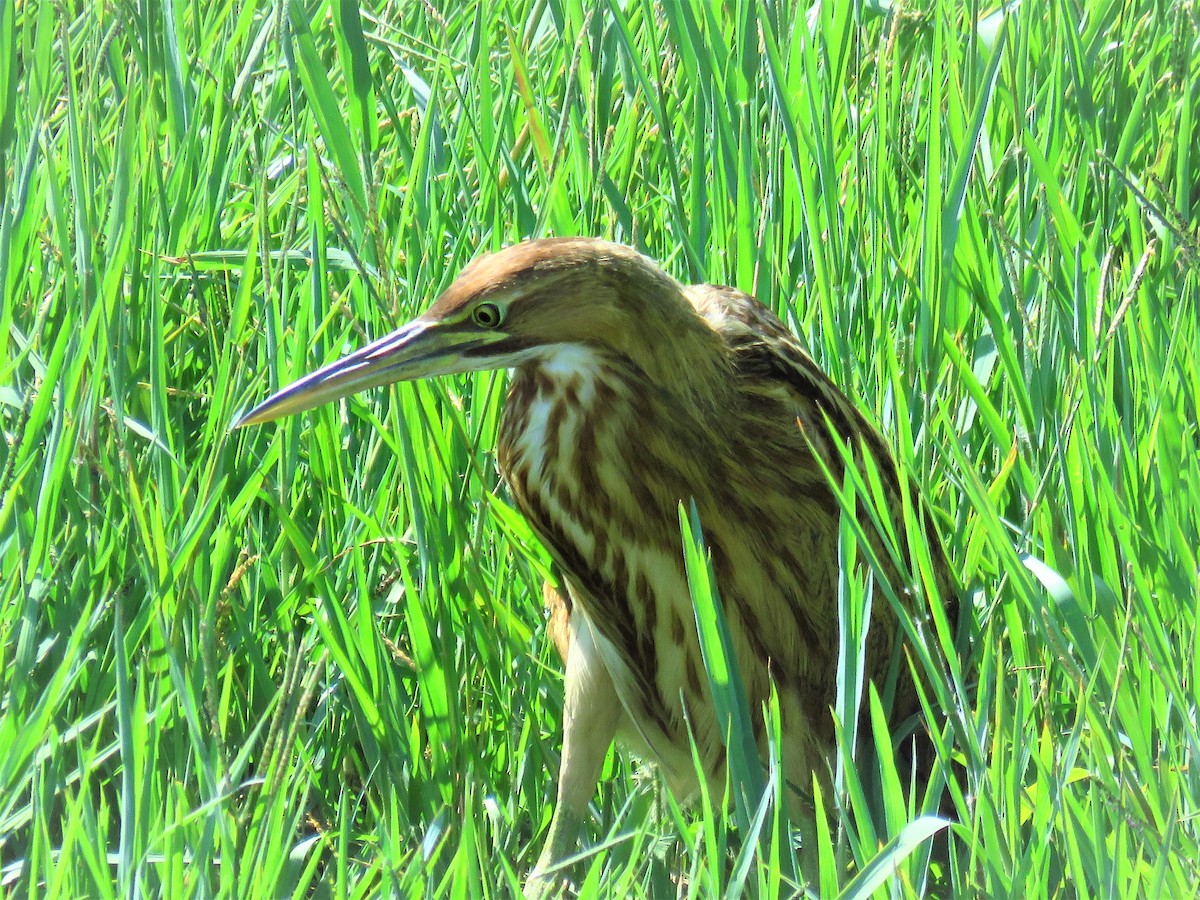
310, 659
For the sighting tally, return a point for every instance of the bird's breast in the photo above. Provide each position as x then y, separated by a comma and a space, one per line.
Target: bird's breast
589, 463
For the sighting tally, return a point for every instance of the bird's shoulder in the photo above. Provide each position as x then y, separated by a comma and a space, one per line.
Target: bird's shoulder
766, 356
752, 334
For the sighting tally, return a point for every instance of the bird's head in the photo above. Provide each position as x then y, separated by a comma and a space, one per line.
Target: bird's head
515, 307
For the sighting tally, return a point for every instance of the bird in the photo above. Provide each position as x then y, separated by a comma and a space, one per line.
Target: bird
632, 393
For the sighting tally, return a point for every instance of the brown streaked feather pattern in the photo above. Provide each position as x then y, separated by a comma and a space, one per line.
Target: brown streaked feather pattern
600, 443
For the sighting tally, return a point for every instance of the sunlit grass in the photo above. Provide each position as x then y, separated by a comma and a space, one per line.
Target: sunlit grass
310, 658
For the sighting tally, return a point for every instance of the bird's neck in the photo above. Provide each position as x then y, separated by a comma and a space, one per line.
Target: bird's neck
575, 420
555, 405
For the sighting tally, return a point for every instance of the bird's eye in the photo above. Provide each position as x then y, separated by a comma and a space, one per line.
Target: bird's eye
486, 315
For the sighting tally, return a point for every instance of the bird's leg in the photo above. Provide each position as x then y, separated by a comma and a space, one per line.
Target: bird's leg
591, 713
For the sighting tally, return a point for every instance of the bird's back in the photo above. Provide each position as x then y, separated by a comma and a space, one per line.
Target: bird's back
787, 531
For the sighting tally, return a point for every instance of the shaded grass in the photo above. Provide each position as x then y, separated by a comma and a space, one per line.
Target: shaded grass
310, 658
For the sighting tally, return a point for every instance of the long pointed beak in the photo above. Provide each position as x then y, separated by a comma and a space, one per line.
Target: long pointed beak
416, 350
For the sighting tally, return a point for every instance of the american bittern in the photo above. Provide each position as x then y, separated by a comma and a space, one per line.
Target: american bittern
630, 394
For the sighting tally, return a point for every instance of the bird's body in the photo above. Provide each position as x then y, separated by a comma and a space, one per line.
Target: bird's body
630, 395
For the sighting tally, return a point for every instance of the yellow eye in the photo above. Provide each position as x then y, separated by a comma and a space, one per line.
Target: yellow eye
487, 315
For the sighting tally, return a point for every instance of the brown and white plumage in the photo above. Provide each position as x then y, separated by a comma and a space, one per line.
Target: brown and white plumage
631, 394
